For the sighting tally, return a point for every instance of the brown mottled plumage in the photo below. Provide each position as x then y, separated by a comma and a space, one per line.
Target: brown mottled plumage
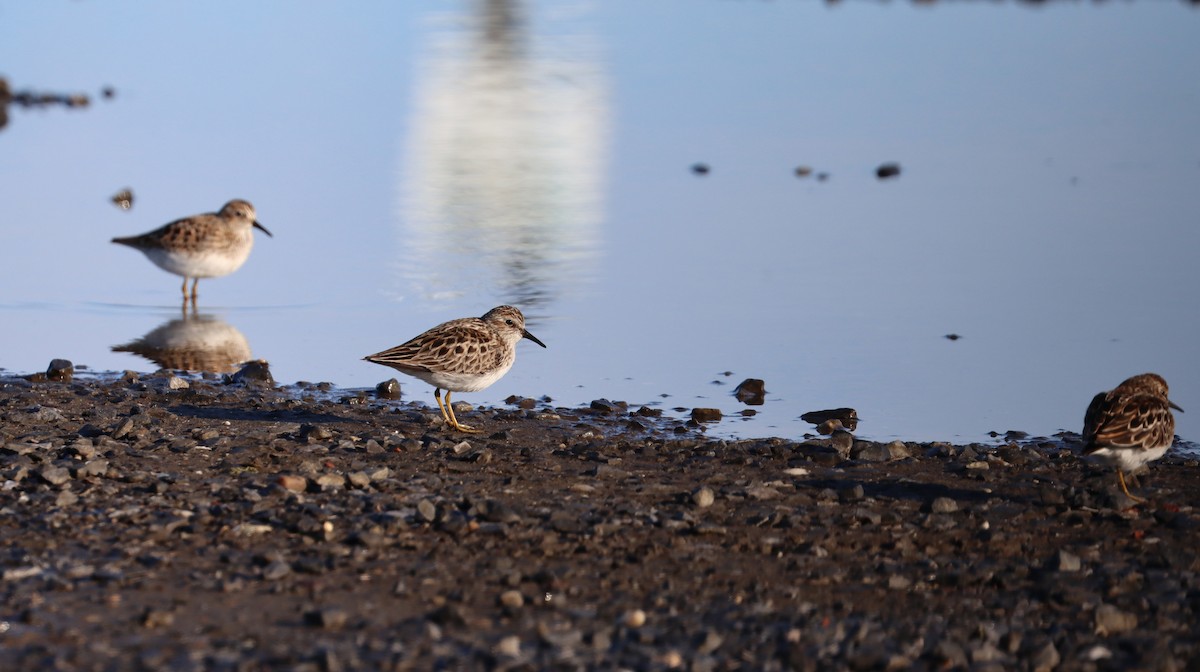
201, 246
463, 355
1130, 425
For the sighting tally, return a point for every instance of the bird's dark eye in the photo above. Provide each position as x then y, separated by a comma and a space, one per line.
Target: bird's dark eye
509, 322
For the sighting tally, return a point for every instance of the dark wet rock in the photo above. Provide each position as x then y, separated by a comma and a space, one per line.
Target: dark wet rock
255, 373
952, 337
848, 417
706, 414
751, 391
700, 168
803, 171
388, 389
647, 412
605, 406
60, 370
887, 170
869, 451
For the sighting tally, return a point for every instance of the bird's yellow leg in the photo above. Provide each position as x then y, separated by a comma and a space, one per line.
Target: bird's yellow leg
195, 281
1120, 477
184, 290
454, 421
437, 395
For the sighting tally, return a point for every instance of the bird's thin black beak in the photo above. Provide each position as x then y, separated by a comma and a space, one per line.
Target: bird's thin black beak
262, 228
1172, 405
526, 334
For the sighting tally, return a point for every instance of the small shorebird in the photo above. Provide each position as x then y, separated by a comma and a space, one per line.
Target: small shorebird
464, 355
1130, 425
201, 246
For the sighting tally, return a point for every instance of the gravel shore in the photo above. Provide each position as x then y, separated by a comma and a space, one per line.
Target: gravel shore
157, 522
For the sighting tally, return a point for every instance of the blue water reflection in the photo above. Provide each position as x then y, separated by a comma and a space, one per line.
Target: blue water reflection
423, 162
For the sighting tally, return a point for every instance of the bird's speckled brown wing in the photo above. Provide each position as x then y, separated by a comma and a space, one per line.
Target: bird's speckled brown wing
192, 234
1134, 421
458, 346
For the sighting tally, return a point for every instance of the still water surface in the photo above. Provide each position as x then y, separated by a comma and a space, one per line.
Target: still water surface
423, 161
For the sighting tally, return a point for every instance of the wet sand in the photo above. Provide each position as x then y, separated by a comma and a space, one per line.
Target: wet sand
154, 522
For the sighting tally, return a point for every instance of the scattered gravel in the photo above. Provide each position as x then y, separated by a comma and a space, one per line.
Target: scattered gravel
237, 526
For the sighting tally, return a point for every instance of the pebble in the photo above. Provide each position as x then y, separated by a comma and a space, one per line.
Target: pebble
751, 391
1068, 562
60, 370
55, 475
943, 505
328, 618
634, 618
388, 389
703, 497
1112, 621
427, 510
706, 414
292, 482
512, 599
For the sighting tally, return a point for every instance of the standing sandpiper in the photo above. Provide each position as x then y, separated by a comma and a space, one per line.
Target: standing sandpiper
201, 246
1130, 425
464, 355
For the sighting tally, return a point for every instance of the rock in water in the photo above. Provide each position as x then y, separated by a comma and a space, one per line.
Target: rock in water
61, 370
751, 392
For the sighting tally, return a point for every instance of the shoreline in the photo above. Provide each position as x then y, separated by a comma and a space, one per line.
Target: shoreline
232, 526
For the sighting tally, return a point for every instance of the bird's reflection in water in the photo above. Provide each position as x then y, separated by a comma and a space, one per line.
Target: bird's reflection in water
193, 342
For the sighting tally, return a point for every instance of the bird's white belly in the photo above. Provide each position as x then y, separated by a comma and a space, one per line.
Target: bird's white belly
462, 382
1129, 461
201, 264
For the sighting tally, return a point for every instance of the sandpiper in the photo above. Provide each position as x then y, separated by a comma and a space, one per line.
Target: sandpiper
1130, 425
463, 355
201, 246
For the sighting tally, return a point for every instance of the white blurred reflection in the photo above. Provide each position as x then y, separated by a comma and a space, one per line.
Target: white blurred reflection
503, 173
194, 342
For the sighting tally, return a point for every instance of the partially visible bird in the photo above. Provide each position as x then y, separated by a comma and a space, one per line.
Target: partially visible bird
1130, 426
201, 246
463, 355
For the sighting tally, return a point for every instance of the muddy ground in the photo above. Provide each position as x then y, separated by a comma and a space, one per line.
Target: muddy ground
152, 522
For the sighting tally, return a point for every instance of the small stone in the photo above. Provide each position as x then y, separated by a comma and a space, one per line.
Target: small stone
848, 417
803, 171
328, 618
751, 391
703, 497
292, 483
700, 168
254, 373
157, 618
854, 493
512, 599
509, 646
706, 414
276, 570
943, 505
331, 481
60, 370
842, 441
388, 389
1068, 562
829, 426
898, 450
897, 582
1112, 621
635, 618
887, 170
426, 510
1046, 659
55, 475
177, 383
359, 479
870, 452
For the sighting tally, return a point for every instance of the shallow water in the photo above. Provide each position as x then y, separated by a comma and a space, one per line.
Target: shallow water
419, 162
